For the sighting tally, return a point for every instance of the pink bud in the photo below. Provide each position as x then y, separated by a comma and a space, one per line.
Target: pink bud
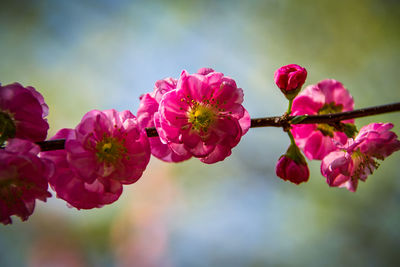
290, 78
288, 169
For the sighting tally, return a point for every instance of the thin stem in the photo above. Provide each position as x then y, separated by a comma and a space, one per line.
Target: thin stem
291, 138
289, 109
277, 121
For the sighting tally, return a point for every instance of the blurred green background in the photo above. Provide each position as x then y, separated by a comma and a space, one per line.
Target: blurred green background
102, 54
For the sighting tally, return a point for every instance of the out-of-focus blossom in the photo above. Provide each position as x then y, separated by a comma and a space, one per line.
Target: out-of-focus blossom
357, 159
139, 234
290, 79
292, 166
148, 107
204, 114
328, 96
106, 150
22, 113
23, 179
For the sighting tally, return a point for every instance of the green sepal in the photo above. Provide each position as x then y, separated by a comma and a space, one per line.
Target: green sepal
7, 127
350, 130
295, 154
290, 95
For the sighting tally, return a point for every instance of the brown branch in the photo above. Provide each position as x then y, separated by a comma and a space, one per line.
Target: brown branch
151, 132
51, 144
326, 118
276, 121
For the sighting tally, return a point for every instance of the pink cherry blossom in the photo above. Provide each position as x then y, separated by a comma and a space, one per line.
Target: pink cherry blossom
23, 179
357, 159
328, 96
22, 112
106, 150
108, 144
72, 188
148, 107
204, 116
290, 77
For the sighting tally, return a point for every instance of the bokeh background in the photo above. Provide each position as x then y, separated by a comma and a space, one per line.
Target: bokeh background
103, 54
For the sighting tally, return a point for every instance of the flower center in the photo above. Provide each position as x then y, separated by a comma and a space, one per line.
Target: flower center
13, 186
330, 108
362, 162
201, 117
7, 127
110, 150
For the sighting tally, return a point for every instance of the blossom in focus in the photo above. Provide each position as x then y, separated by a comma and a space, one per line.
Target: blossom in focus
22, 113
106, 150
204, 116
328, 96
292, 166
357, 159
290, 78
108, 144
23, 179
72, 188
146, 113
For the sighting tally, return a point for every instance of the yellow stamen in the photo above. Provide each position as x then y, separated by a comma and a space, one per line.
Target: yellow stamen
110, 150
329, 108
201, 117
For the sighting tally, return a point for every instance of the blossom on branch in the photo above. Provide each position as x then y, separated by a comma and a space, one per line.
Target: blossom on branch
72, 188
106, 150
203, 116
357, 159
328, 96
22, 113
23, 179
148, 110
108, 144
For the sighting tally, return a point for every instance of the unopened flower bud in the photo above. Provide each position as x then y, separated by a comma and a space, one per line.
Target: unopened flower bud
292, 166
289, 79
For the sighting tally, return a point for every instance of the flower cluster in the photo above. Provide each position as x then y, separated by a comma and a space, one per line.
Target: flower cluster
345, 159
23, 175
196, 115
